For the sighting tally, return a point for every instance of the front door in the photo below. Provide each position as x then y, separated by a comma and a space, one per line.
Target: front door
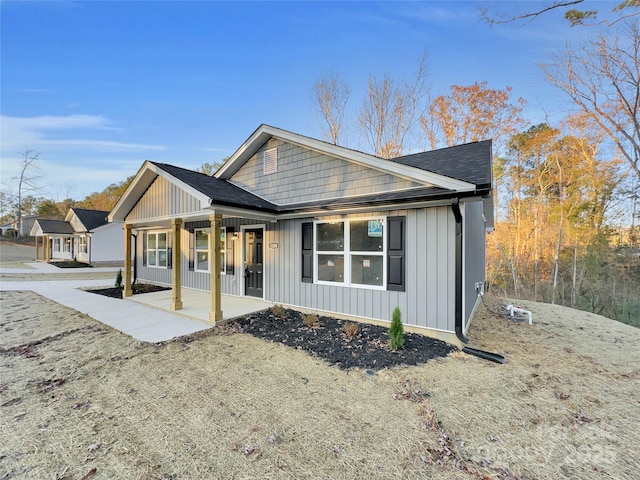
253, 268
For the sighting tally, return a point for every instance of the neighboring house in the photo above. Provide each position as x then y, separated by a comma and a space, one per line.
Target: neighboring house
84, 235
20, 230
8, 229
310, 225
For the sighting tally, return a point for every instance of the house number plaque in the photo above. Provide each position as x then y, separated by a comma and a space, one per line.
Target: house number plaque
274, 245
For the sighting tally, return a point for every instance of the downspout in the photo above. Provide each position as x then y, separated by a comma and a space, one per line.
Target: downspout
455, 207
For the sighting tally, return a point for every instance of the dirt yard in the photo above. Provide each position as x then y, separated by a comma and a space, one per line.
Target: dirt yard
79, 400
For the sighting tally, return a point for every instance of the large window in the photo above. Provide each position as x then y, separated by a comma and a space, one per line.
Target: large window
82, 245
202, 249
56, 242
351, 252
157, 249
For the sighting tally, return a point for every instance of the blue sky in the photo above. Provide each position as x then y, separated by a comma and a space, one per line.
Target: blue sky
98, 87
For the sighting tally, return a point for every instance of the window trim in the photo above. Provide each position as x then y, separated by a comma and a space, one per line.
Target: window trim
196, 250
83, 244
223, 251
348, 254
157, 250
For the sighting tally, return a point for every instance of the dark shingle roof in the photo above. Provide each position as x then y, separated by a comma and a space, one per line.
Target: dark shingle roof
59, 227
470, 162
91, 218
220, 191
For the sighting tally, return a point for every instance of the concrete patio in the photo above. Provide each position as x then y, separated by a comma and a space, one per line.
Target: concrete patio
197, 304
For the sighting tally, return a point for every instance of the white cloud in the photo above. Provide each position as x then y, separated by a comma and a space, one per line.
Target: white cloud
44, 132
85, 150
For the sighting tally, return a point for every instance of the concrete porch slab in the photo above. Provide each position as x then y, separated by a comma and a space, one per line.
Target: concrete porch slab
197, 304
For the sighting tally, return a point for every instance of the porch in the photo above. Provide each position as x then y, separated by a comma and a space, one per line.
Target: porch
197, 304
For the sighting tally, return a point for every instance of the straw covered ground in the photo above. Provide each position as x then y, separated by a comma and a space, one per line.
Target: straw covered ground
79, 400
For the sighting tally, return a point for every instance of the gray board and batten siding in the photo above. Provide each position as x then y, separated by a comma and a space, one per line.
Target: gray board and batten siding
164, 199
304, 175
474, 252
430, 281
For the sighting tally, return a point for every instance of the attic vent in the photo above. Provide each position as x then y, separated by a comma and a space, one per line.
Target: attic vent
270, 160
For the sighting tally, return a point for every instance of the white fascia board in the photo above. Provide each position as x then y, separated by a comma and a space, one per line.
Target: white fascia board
264, 132
140, 182
143, 179
241, 212
204, 199
36, 230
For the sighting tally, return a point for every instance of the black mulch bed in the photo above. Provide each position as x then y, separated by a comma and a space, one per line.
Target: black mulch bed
70, 264
367, 349
115, 292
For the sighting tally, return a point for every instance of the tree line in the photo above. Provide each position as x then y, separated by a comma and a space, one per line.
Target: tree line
566, 195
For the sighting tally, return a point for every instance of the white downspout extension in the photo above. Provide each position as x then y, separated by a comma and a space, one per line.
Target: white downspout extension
513, 310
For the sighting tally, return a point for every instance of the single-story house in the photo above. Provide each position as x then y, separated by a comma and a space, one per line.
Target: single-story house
317, 227
84, 235
22, 227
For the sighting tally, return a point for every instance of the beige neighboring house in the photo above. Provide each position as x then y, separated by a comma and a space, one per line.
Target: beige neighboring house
84, 235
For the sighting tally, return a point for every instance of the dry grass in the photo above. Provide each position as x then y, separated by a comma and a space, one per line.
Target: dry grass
77, 396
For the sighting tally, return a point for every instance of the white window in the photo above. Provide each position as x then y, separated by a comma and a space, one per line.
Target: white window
351, 252
66, 244
223, 250
157, 249
202, 249
82, 245
270, 158
56, 244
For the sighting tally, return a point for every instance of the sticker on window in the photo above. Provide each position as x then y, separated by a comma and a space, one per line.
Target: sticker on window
375, 228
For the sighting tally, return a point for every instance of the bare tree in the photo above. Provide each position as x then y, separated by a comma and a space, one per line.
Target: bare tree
603, 80
330, 94
391, 109
26, 180
575, 17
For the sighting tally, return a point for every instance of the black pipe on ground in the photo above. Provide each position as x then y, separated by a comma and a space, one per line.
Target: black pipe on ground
492, 357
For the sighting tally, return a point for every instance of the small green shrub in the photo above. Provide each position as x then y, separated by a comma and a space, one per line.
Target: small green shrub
396, 330
311, 320
119, 279
278, 311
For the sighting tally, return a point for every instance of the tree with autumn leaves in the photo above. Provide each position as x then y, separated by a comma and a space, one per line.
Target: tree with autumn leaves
565, 194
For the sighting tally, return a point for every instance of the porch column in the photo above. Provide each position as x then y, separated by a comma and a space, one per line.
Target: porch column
37, 248
215, 315
126, 277
176, 267
47, 248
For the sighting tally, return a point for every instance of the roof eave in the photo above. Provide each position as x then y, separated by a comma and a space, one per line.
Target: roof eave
265, 132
